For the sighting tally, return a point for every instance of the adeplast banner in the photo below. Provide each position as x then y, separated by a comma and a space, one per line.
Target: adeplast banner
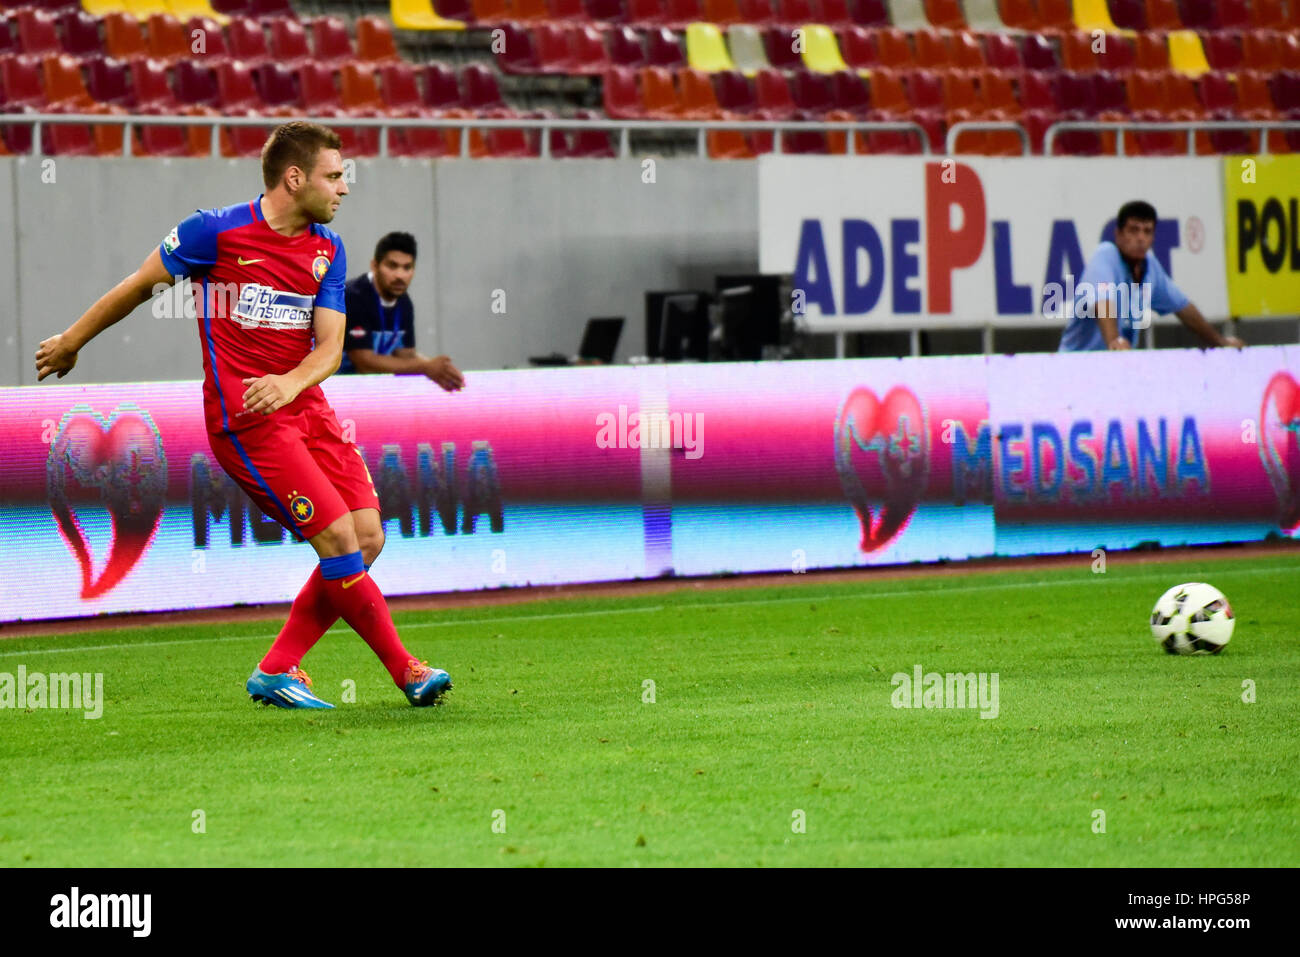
111, 500
892, 243
1262, 218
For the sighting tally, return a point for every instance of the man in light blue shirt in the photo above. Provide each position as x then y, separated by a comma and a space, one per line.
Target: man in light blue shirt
1121, 282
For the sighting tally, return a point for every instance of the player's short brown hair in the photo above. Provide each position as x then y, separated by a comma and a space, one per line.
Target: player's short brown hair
295, 144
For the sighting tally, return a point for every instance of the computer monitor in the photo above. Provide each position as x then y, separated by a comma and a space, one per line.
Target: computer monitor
677, 325
600, 338
752, 310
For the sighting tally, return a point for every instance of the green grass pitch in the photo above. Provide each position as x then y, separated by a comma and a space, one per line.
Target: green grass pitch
771, 738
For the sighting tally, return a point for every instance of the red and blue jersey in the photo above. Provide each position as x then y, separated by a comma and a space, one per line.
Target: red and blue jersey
255, 291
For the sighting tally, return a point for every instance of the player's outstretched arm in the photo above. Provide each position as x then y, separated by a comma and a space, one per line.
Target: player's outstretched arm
267, 393
58, 354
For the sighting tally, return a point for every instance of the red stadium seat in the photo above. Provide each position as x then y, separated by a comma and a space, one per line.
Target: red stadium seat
568, 11
722, 12
1199, 14
330, 42
835, 14
606, 10
491, 13
529, 11
36, 33
1039, 53
247, 40
626, 47
518, 53
1152, 52
551, 41
894, 50
480, 89
795, 13
945, 14
932, 51
108, 82
359, 88
289, 42
870, 13
441, 88
1002, 52
621, 98
213, 48
758, 12
1057, 16
1128, 14
1120, 54
235, 89
1163, 15
663, 48
646, 12
851, 95
1290, 51
1262, 49
698, 99
813, 93
123, 38
1077, 51
735, 93
375, 40
681, 12
1020, 15
1223, 51
167, 38
967, 52
781, 50
773, 92
591, 144
263, 9
277, 84
659, 98
858, 47
80, 33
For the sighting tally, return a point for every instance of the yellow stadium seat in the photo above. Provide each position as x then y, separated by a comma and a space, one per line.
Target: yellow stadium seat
1093, 15
821, 51
705, 48
420, 15
142, 10
102, 8
182, 10
1186, 55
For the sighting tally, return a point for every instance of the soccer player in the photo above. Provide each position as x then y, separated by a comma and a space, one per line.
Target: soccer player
269, 279
1124, 278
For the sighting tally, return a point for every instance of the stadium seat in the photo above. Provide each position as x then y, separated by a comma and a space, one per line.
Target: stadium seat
441, 87
698, 99
153, 95
609, 11
1223, 51
1020, 15
142, 10
812, 93
722, 12
66, 92
1128, 14
330, 43
276, 84
659, 97
359, 88
1186, 54
735, 94
1290, 44
1002, 52
551, 43
745, 42
108, 82
1120, 54
758, 13
229, 8
706, 50
1163, 15
983, 15
123, 38
851, 95
626, 47
491, 13
646, 13
517, 54
1077, 51
781, 49
235, 88
591, 144
375, 40
420, 15
773, 92
1056, 16
480, 89
945, 14
821, 50
289, 42
1090, 15
795, 13
664, 49
167, 39
587, 56
858, 46
967, 54
568, 11
678, 13
1267, 15
619, 93
870, 13
213, 48
195, 84
1152, 52
894, 50
37, 36
266, 9
835, 14
1039, 53
907, 15
1198, 14
932, 51
184, 10
247, 40
529, 11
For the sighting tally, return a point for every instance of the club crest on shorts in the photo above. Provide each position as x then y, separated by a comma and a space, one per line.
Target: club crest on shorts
319, 267
301, 508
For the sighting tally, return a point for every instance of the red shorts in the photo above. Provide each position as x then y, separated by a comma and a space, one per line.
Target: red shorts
298, 468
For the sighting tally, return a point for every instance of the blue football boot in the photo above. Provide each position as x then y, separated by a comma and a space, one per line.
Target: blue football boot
425, 685
289, 690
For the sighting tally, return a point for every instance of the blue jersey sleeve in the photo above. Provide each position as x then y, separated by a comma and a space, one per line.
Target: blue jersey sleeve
1165, 296
191, 248
332, 293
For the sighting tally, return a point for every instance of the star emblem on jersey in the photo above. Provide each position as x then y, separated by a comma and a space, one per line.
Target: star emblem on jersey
319, 267
301, 508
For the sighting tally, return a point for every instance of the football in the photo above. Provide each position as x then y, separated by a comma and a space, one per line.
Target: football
1192, 619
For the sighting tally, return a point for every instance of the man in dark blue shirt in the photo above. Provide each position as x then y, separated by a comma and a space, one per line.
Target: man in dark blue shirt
381, 319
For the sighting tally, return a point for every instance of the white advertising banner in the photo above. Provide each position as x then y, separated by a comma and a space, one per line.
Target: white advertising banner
880, 243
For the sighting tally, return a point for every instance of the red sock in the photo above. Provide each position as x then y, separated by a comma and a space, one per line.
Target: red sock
358, 601
310, 617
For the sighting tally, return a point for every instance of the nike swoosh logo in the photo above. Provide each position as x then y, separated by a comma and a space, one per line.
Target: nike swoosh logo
354, 581
249, 262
